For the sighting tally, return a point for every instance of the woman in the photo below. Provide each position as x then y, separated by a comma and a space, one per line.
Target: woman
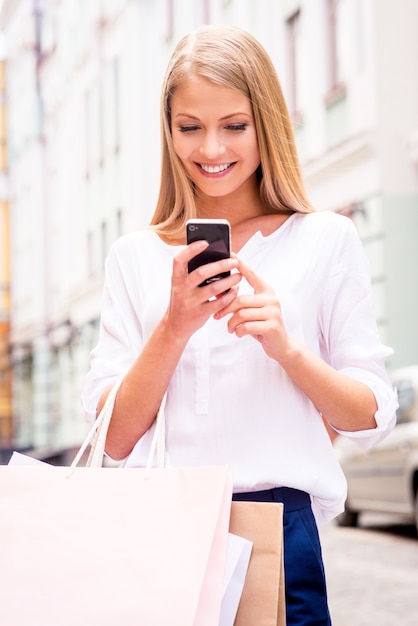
253, 363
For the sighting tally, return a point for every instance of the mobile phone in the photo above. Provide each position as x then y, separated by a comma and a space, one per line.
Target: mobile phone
218, 234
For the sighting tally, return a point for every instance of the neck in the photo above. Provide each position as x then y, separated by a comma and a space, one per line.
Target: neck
235, 207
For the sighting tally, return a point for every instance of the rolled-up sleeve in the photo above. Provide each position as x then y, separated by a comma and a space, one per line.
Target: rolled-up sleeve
351, 342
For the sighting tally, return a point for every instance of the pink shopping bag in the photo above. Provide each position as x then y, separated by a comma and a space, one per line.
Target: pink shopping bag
110, 546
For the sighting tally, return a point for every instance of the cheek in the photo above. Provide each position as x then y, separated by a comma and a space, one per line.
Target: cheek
182, 156
176, 147
256, 153
255, 148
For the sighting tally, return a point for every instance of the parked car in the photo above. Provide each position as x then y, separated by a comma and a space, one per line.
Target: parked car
385, 478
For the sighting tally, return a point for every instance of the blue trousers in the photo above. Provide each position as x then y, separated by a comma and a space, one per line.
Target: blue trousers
305, 585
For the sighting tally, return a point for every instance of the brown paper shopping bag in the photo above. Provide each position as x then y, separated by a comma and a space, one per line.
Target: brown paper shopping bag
263, 600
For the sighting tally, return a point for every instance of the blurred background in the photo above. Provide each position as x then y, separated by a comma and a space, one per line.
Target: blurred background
80, 163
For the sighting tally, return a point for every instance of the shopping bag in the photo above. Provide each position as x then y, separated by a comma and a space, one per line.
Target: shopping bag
263, 598
108, 546
104, 546
236, 567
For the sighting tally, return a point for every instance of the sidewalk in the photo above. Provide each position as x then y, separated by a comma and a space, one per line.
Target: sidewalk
372, 576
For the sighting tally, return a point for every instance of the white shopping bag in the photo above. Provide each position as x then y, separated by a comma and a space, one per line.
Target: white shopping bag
237, 561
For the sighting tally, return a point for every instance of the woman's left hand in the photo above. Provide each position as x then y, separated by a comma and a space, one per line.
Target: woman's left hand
259, 315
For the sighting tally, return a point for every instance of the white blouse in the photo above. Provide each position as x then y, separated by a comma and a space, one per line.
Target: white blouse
228, 402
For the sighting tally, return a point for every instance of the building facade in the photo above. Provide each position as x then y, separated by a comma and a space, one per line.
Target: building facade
82, 87
6, 420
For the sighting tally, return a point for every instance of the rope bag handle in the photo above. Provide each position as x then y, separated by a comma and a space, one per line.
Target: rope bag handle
98, 432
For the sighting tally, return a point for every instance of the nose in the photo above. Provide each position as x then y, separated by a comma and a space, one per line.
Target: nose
212, 147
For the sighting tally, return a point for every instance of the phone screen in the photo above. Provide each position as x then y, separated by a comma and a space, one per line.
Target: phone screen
217, 234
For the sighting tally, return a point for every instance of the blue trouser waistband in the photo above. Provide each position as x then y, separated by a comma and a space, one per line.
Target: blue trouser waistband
293, 499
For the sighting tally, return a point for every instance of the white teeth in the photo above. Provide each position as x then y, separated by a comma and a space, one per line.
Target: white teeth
215, 169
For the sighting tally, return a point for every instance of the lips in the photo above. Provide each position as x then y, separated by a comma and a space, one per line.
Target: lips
215, 169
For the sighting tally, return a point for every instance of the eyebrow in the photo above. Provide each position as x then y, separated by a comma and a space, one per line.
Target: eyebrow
221, 119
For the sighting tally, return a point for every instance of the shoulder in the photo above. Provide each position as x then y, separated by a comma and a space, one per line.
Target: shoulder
326, 226
325, 220
139, 243
134, 239
130, 252
330, 240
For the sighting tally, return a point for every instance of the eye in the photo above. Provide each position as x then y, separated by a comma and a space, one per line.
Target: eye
188, 128
237, 127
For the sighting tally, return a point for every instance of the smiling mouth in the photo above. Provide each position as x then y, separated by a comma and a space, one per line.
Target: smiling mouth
215, 169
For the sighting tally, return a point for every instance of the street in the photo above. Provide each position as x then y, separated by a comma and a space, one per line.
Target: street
372, 572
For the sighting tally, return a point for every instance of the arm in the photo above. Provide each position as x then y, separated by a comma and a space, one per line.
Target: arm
348, 404
146, 381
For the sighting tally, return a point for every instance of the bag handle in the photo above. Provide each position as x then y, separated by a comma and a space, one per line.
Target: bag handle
98, 432
158, 440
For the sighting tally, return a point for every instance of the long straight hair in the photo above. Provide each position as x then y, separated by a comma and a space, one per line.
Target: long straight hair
229, 56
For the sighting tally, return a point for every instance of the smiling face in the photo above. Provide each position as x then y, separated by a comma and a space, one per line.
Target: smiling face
215, 138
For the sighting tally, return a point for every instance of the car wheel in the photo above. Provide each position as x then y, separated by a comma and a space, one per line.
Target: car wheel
349, 518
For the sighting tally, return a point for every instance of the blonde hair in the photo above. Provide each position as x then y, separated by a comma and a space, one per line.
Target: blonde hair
229, 56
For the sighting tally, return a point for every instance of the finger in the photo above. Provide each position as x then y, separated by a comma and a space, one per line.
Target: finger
185, 255
223, 299
257, 283
217, 288
247, 316
210, 270
214, 303
251, 329
242, 302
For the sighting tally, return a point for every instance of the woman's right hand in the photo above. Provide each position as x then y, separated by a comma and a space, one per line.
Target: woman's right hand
191, 306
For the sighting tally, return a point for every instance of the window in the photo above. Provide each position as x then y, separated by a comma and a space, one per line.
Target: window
94, 139
338, 55
110, 106
295, 62
90, 254
335, 80
170, 19
205, 17
119, 223
104, 242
